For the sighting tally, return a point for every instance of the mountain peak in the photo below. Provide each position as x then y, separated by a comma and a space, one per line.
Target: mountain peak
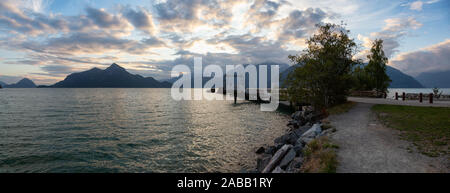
24, 83
25, 80
115, 68
114, 65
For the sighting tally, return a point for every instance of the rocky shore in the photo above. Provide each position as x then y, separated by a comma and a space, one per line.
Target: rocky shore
286, 155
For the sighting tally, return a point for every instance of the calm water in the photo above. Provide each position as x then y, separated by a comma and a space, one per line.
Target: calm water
128, 130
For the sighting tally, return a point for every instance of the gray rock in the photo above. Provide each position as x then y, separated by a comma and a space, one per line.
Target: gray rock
287, 158
262, 162
313, 131
270, 150
296, 115
298, 148
299, 132
288, 138
293, 124
282, 139
276, 158
278, 146
278, 170
260, 150
292, 138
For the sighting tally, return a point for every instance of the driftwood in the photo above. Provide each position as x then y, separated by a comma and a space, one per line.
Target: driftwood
276, 158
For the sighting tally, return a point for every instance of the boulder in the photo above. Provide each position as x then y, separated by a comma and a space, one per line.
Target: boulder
270, 150
293, 124
278, 170
288, 138
299, 132
276, 158
298, 148
278, 146
287, 158
312, 132
262, 162
260, 150
292, 138
296, 115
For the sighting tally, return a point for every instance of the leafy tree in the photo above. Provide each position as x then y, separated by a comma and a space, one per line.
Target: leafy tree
361, 79
324, 73
376, 69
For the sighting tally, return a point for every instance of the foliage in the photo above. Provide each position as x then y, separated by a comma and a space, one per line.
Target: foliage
324, 73
376, 76
320, 156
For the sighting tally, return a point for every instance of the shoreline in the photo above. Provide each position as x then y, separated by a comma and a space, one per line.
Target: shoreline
286, 155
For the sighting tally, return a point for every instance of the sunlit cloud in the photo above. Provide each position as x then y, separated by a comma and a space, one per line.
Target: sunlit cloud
429, 59
150, 38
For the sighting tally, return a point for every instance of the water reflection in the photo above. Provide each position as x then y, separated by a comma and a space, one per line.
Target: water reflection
128, 130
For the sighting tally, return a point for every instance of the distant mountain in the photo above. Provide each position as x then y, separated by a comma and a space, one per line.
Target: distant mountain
2, 84
282, 67
439, 79
24, 83
112, 77
399, 79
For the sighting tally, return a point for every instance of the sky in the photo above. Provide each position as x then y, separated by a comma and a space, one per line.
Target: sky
45, 40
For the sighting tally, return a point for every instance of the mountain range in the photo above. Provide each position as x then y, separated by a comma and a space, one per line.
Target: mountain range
440, 79
112, 77
116, 76
401, 80
24, 83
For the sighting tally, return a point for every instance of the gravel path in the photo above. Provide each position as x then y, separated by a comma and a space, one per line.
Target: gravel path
367, 146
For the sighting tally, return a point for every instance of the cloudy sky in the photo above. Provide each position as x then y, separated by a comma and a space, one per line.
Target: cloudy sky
45, 40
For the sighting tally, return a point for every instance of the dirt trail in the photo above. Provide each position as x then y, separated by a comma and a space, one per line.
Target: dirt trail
365, 145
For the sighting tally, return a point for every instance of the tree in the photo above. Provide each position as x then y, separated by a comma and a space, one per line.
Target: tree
324, 73
376, 69
361, 79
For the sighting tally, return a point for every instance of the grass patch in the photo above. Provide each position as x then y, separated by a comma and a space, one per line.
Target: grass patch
428, 128
341, 108
320, 156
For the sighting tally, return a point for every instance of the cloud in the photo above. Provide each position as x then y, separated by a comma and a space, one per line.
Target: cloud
92, 43
15, 20
152, 40
418, 5
57, 69
301, 23
141, 19
391, 34
428, 59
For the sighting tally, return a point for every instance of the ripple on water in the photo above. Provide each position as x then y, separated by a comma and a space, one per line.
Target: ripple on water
128, 130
